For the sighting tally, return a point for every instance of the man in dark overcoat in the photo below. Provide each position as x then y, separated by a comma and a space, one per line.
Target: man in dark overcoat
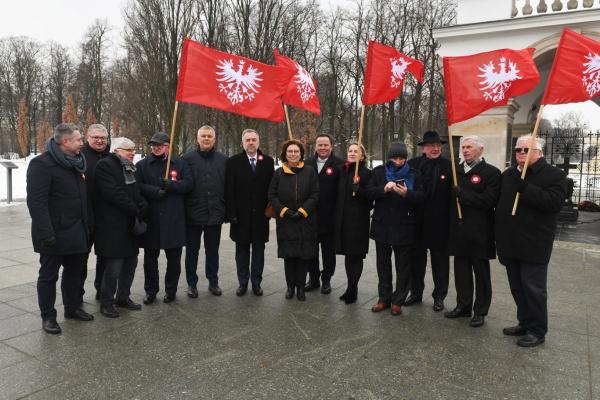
432, 222
246, 196
165, 216
327, 165
524, 241
95, 149
204, 210
471, 239
58, 205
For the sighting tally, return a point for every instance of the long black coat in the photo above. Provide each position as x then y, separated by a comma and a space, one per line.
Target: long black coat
433, 215
166, 217
393, 215
295, 189
529, 235
58, 205
246, 197
115, 208
352, 213
205, 204
91, 157
328, 190
479, 192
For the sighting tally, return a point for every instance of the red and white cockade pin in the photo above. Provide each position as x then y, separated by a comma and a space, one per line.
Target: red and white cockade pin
260, 157
173, 175
329, 171
475, 179
443, 177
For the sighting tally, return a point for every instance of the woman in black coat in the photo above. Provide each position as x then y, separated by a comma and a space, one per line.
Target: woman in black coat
117, 206
351, 221
293, 193
396, 189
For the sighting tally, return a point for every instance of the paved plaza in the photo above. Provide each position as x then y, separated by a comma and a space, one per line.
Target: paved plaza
271, 348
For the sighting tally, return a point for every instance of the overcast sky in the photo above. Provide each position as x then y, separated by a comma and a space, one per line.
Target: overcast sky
66, 21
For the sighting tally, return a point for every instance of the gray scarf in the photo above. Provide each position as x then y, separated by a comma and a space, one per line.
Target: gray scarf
128, 169
76, 162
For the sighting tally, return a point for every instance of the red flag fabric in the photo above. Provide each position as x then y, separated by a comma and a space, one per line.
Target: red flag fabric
302, 89
231, 83
384, 76
482, 81
575, 73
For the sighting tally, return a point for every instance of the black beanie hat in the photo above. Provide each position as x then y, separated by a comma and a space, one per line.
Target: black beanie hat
397, 149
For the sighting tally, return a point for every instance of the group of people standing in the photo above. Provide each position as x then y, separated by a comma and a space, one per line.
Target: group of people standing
81, 196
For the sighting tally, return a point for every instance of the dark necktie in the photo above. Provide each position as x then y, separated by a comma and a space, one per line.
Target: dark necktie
253, 164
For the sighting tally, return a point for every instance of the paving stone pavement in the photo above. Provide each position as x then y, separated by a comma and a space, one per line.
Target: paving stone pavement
271, 348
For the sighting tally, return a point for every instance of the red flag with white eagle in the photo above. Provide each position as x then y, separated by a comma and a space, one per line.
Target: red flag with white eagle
482, 81
302, 89
385, 72
231, 83
575, 73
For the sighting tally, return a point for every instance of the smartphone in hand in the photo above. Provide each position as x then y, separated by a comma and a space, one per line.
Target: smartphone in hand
400, 182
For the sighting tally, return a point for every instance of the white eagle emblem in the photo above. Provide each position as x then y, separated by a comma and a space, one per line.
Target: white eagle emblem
237, 85
399, 66
496, 84
591, 76
304, 84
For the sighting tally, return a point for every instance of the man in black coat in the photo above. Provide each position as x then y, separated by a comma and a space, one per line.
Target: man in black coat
58, 205
165, 216
525, 240
247, 183
95, 149
471, 239
432, 225
205, 210
327, 165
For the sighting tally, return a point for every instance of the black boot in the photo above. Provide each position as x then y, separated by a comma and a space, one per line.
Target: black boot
289, 293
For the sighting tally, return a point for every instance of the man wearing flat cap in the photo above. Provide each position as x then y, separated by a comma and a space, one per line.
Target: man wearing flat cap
166, 215
432, 225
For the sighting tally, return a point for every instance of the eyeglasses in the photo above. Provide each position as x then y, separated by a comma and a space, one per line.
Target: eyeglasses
128, 150
99, 138
159, 144
522, 150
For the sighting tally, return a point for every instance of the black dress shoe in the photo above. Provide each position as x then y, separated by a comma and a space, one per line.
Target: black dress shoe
516, 330
289, 293
457, 313
413, 299
109, 311
477, 321
128, 304
169, 298
351, 296
326, 287
311, 285
149, 299
79, 315
215, 289
192, 292
344, 295
241, 290
438, 305
51, 326
300, 295
530, 341
257, 290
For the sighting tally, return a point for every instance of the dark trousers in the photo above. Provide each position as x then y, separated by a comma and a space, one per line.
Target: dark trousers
295, 272
99, 271
354, 268
70, 284
117, 278
464, 269
384, 272
328, 254
212, 239
247, 270
528, 287
440, 270
151, 279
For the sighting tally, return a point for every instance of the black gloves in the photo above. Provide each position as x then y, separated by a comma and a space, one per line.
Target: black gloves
456, 191
520, 184
50, 242
233, 220
161, 194
355, 187
293, 215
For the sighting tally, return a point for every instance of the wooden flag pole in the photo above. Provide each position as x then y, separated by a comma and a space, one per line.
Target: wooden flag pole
287, 120
360, 132
531, 147
171, 140
453, 164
